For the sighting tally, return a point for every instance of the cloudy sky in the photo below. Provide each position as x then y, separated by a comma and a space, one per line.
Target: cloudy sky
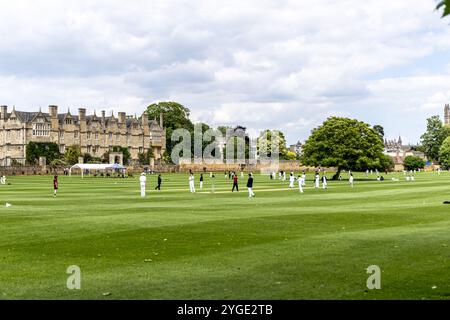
263, 64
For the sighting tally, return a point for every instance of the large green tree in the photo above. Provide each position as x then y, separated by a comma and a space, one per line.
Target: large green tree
345, 144
380, 130
176, 116
269, 137
433, 138
445, 4
444, 154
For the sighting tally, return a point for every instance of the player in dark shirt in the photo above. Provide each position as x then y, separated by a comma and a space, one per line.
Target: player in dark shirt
55, 185
158, 187
235, 184
250, 186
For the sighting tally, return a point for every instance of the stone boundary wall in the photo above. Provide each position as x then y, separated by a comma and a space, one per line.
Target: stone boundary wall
287, 166
266, 167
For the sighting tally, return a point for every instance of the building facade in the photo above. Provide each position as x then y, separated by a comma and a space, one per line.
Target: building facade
398, 152
95, 135
296, 148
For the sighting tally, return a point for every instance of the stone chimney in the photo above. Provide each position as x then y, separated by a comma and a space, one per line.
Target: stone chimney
3, 112
103, 114
122, 117
82, 114
82, 120
53, 111
144, 122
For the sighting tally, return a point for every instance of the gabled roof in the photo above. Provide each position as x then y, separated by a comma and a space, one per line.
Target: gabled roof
29, 116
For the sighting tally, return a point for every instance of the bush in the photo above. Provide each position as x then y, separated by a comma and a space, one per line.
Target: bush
49, 150
413, 163
145, 158
72, 154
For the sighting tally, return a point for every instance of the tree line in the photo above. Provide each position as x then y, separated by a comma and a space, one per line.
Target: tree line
54, 157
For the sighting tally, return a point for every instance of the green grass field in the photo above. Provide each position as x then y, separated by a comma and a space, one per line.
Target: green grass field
176, 245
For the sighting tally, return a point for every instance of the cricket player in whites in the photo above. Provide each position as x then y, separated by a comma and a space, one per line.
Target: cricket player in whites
317, 181
300, 181
291, 181
324, 182
192, 183
351, 179
142, 181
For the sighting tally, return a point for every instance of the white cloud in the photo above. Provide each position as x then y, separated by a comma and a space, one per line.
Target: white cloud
279, 64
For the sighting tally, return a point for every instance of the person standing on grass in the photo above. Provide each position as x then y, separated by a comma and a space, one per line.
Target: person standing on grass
142, 181
235, 184
55, 185
317, 181
250, 186
300, 183
351, 180
291, 181
3, 179
192, 183
201, 181
303, 179
158, 187
324, 182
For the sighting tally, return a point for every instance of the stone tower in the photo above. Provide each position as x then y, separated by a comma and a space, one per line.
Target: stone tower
447, 114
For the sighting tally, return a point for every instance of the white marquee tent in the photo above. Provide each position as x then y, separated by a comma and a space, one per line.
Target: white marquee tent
93, 166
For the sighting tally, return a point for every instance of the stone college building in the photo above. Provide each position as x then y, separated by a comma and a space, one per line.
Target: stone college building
94, 134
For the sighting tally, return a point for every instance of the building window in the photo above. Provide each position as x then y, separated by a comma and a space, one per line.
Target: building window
110, 136
88, 149
96, 136
75, 134
41, 129
88, 135
141, 150
118, 136
61, 135
68, 121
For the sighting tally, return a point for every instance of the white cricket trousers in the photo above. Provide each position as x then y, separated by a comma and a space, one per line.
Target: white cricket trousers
250, 193
142, 189
201, 185
191, 186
